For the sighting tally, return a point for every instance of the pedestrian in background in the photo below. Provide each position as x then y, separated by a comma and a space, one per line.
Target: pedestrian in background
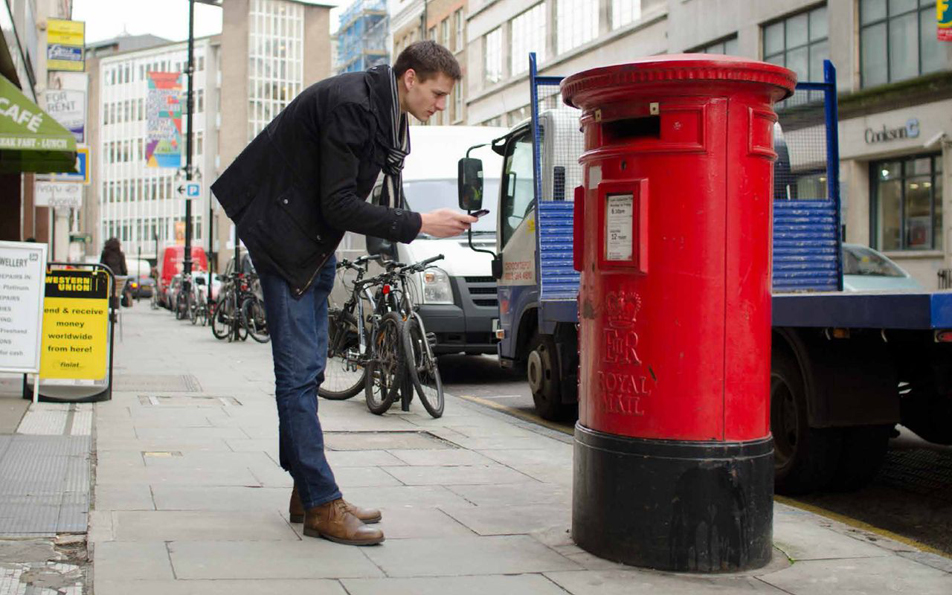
292, 193
113, 257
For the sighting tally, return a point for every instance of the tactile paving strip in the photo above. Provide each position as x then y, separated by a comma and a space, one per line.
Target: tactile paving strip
160, 383
44, 485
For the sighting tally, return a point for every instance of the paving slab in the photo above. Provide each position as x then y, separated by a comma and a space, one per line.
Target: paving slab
448, 476
513, 520
360, 477
463, 556
890, 574
523, 584
115, 560
307, 559
806, 539
637, 582
515, 494
405, 496
163, 525
363, 458
220, 587
454, 457
190, 433
159, 444
221, 498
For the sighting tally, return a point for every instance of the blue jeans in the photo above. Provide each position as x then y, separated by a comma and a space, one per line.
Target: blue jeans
298, 328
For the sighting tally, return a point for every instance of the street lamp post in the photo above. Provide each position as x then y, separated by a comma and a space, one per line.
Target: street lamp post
190, 69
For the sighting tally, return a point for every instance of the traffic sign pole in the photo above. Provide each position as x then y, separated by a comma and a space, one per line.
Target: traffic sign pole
187, 264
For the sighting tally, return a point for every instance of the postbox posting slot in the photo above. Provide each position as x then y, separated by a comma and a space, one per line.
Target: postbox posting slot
623, 225
627, 129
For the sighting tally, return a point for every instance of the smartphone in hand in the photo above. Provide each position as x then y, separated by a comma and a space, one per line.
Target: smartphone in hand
480, 213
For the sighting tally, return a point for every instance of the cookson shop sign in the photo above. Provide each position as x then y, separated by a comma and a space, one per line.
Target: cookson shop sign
884, 134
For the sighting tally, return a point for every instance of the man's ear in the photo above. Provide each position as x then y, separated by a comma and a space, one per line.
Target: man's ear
409, 78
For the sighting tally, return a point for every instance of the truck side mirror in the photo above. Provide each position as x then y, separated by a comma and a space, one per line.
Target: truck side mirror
470, 184
386, 248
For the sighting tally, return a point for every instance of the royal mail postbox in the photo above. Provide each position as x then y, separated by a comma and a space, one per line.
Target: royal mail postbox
673, 454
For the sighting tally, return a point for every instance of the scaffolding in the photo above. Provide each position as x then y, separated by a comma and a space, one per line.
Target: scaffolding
362, 36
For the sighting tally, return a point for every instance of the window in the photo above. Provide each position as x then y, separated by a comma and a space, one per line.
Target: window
625, 12
518, 185
577, 23
458, 102
527, 34
800, 43
725, 46
908, 203
201, 63
431, 34
445, 32
897, 40
199, 143
492, 50
458, 23
201, 101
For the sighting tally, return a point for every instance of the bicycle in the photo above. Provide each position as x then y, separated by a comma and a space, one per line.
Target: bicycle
226, 322
347, 342
253, 315
403, 352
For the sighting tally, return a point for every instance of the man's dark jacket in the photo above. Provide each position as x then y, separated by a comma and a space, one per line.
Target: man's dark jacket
301, 183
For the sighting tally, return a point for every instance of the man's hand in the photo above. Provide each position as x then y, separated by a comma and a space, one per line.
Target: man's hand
445, 223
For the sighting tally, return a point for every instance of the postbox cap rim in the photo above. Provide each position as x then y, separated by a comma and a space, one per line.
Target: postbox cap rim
684, 68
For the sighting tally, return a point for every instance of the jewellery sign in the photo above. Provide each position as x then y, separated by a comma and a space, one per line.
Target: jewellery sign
21, 305
76, 326
65, 43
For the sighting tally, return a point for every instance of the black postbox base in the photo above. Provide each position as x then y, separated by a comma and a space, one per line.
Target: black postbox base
673, 505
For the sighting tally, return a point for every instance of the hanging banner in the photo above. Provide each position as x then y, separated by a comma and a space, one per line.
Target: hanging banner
22, 266
164, 114
76, 326
65, 45
943, 12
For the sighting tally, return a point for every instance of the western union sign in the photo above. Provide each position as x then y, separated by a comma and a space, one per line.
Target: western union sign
75, 325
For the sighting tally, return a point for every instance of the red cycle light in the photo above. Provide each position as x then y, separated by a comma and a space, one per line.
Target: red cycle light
943, 336
386, 290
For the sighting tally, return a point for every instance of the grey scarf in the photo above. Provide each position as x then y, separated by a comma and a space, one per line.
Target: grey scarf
400, 137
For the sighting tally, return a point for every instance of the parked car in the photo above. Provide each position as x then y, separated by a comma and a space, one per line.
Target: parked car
865, 269
142, 287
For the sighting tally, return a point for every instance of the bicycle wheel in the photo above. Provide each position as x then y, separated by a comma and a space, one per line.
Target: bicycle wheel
252, 313
221, 322
239, 327
193, 310
385, 369
422, 368
344, 373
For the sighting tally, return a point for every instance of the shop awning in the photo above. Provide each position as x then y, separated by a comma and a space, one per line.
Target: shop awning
30, 139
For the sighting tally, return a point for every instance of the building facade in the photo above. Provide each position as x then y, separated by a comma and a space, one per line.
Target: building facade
139, 204
894, 85
362, 38
443, 21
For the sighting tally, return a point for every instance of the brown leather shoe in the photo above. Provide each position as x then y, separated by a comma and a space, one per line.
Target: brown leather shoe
332, 521
367, 515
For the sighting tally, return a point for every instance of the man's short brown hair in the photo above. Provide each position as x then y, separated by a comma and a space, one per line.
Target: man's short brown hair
427, 58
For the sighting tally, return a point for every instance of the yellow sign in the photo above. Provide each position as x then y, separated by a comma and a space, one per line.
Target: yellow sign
75, 325
65, 45
65, 32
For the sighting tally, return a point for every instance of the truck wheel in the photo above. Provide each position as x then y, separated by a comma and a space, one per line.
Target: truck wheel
864, 449
542, 370
805, 458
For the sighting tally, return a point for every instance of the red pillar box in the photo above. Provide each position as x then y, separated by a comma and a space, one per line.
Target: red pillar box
673, 454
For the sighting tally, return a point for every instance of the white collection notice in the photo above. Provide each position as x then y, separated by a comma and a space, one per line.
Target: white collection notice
618, 224
22, 285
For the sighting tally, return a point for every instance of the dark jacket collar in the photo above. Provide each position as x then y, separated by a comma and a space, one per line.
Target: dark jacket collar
381, 101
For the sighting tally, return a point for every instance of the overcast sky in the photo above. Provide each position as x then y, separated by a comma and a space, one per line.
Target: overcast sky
106, 19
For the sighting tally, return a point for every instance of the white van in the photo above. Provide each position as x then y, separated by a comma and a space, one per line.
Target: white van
457, 297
